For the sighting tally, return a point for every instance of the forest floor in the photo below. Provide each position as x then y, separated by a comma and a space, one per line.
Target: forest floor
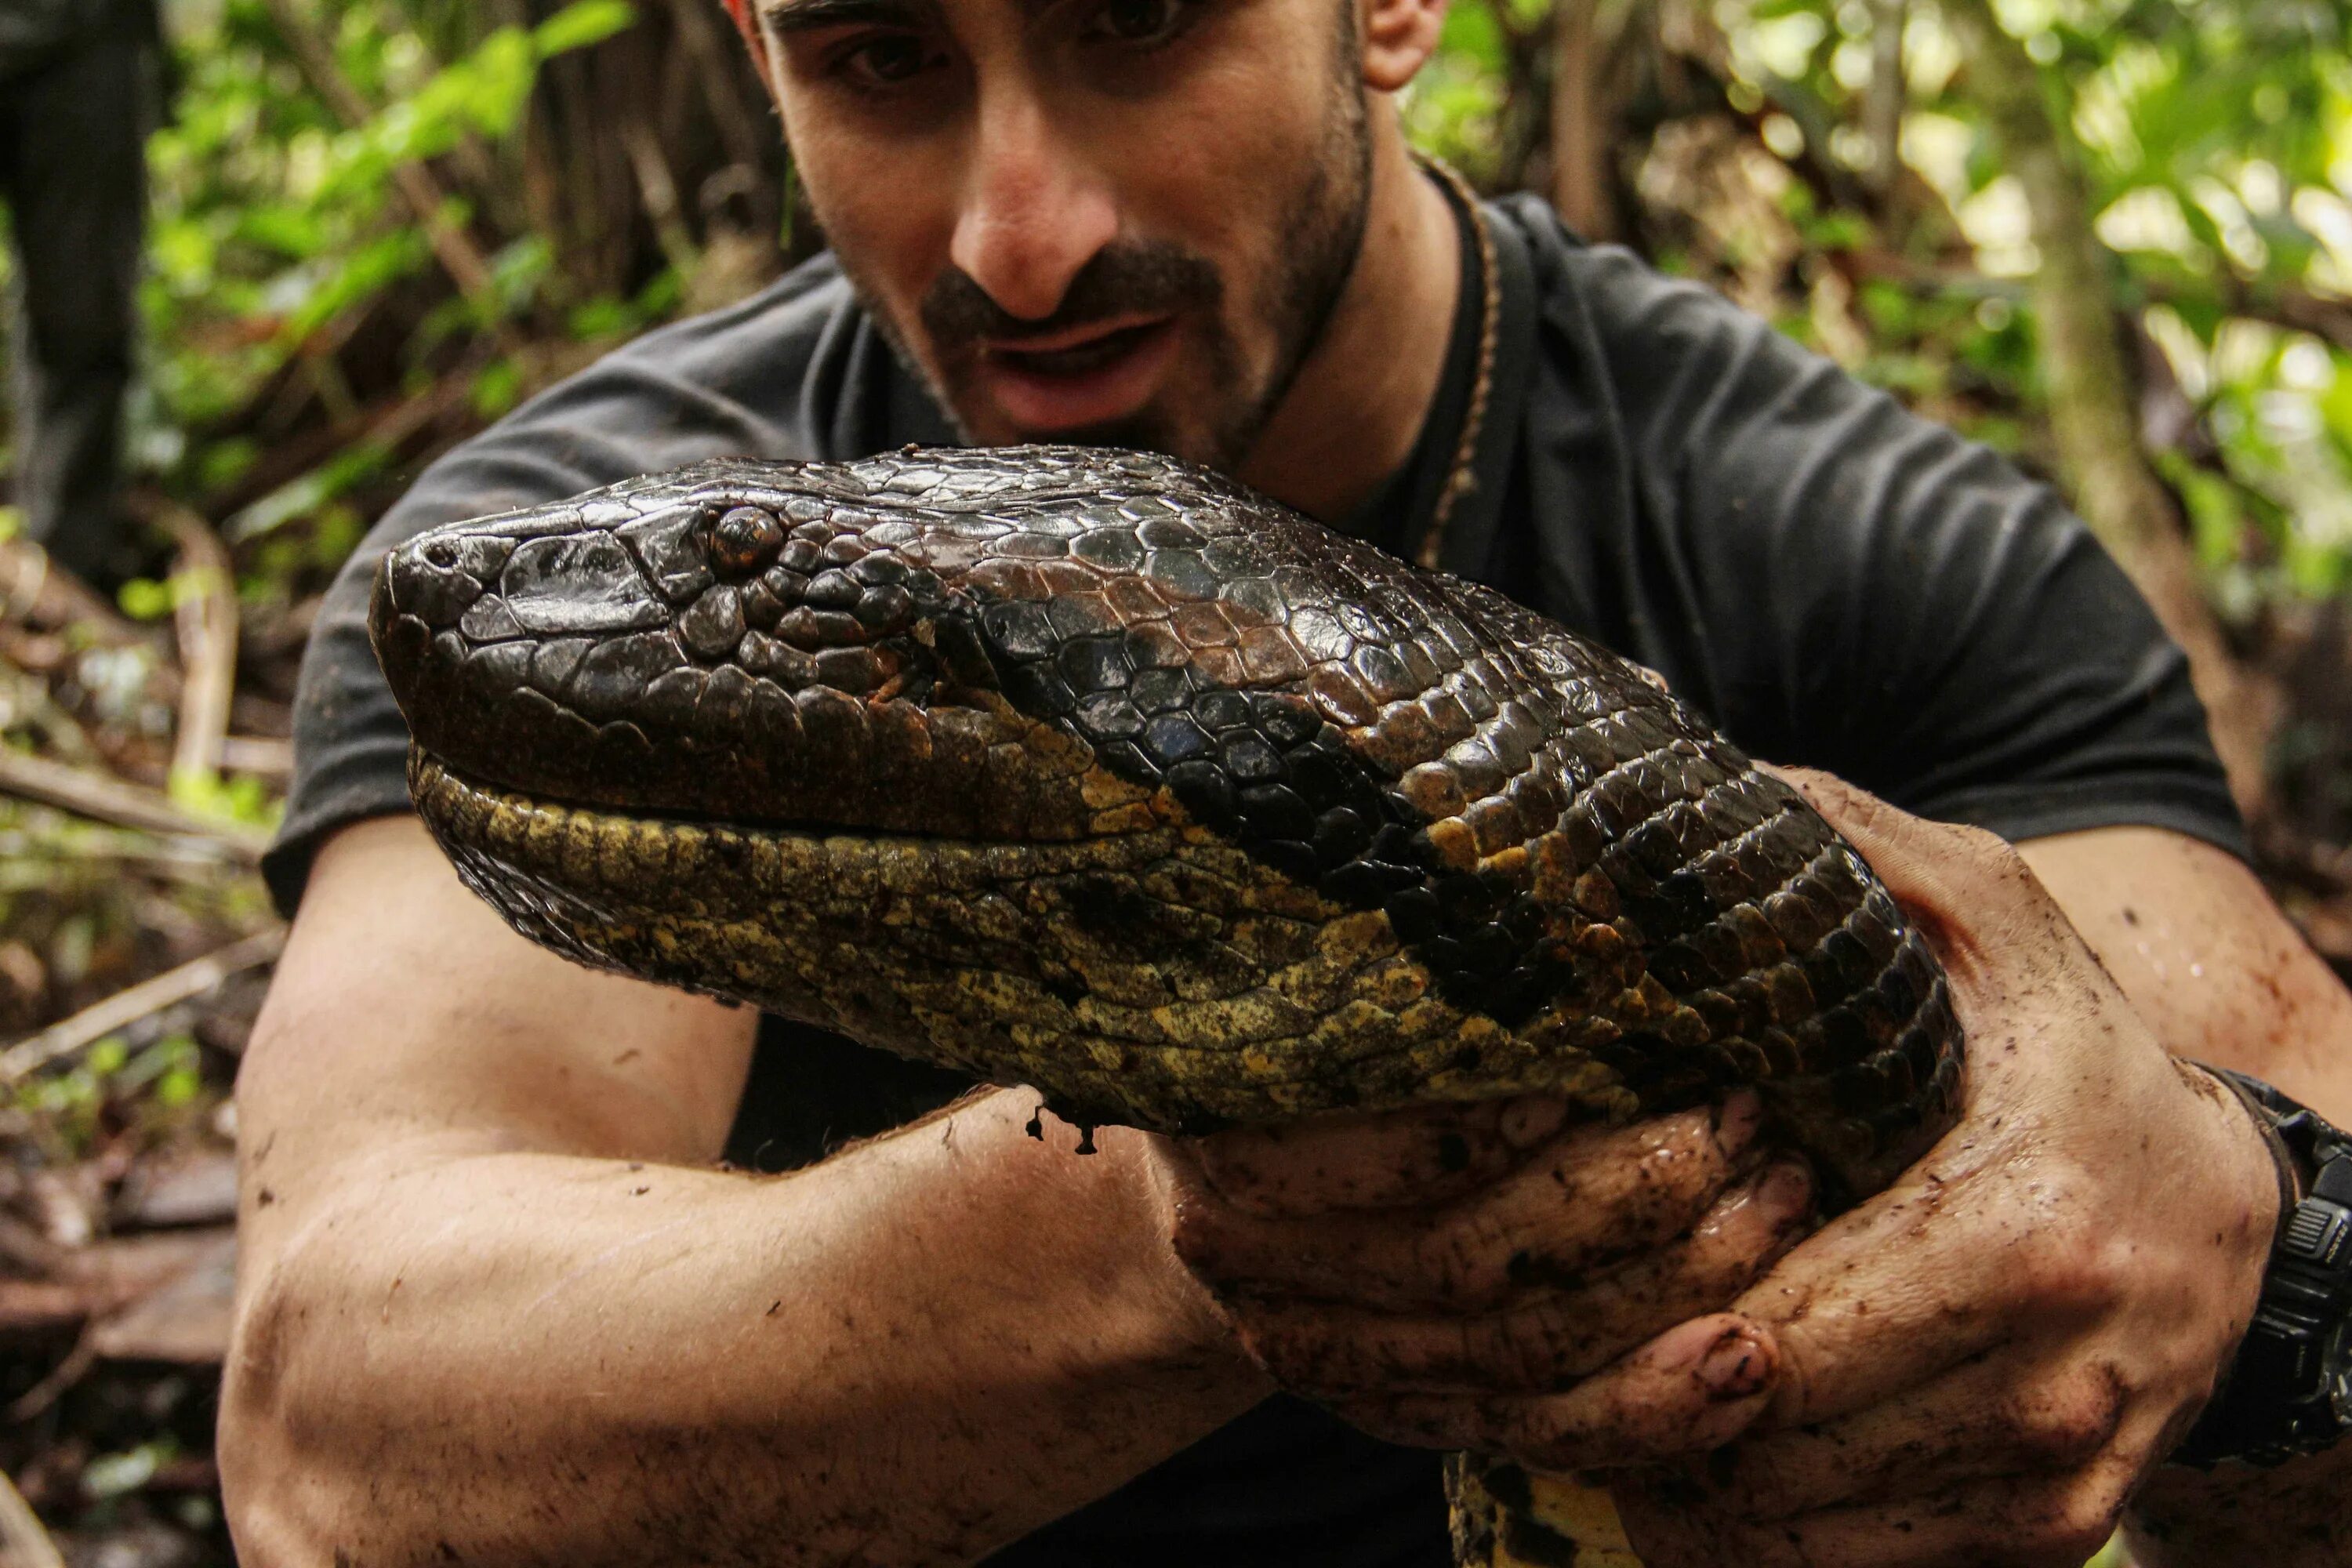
134, 951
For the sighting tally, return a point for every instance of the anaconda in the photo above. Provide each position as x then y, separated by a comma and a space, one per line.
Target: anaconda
1095, 772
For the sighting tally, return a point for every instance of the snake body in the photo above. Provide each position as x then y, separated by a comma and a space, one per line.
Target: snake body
1095, 772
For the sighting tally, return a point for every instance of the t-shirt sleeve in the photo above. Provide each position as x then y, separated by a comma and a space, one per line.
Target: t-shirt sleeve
1869, 593
726, 385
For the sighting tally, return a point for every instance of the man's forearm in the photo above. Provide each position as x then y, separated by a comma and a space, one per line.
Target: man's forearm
912, 1354
2207, 958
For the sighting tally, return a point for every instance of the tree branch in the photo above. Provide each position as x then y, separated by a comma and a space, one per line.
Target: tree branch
1582, 191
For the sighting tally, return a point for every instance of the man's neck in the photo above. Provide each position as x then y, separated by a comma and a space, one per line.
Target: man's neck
1353, 414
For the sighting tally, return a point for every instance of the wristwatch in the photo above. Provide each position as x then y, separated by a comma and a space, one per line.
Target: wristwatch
2289, 1390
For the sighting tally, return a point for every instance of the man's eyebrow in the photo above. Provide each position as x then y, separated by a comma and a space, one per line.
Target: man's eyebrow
807, 16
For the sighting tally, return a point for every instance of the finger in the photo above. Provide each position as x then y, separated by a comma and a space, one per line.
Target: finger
1850, 1319
1883, 1300
1348, 1161
1956, 882
2017, 1521
2001, 1415
1337, 1351
1593, 1195
1694, 1387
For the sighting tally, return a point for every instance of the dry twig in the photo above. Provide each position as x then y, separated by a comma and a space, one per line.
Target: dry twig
54, 1383
36, 590
104, 798
150, 997
207, 621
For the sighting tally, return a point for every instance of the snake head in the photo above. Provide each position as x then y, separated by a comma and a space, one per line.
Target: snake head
772, 643
859, 648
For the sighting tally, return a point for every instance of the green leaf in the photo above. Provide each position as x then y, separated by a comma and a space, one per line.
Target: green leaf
497, 388
600, 319
1471, 37
292, 231
580, 24
359, 275
145, 599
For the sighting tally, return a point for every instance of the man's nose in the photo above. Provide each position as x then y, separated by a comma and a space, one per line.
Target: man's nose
1034, 212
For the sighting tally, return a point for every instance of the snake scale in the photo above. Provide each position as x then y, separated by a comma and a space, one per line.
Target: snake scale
1095, 772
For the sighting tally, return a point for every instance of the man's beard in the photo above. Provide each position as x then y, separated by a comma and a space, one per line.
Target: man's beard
1325, 231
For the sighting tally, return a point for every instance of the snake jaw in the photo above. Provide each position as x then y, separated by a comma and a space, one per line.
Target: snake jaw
1078, 968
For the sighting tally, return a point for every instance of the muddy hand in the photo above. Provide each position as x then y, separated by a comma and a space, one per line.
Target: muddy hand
1981, 1363
1477, 1249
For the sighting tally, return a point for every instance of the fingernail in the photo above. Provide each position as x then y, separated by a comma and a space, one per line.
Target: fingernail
1786, 1191
1735, 1124
1735, 1367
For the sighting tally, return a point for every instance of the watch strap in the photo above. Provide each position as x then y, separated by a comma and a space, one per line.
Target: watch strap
2288, 1391
2265, 1108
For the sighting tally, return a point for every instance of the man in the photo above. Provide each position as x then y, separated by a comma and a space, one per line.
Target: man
496, 1306
79, 91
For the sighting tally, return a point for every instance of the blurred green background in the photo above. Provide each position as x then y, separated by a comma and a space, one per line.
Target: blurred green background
2111, 237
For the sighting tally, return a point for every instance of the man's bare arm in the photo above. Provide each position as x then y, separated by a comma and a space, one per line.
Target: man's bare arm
2216, 969
495, 1298
2209, 960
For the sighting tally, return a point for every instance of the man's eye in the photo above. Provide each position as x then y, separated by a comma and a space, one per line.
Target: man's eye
1140, 21
886, 61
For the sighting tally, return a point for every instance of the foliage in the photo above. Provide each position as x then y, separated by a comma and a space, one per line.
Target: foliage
2216, 144
375, 225
278, 229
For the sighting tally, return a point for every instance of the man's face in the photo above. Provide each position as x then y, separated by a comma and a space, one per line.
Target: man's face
1118, 221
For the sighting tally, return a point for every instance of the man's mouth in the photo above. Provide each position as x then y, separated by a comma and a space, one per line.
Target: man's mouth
1072, 353
1086, 375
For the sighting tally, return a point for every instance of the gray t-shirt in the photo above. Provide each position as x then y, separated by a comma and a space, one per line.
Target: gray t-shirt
1833, 581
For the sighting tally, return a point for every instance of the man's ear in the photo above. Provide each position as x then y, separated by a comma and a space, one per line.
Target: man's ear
1398, 37
741, 11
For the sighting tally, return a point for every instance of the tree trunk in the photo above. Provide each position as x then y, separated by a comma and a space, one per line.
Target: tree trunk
1583, 186
2092, 419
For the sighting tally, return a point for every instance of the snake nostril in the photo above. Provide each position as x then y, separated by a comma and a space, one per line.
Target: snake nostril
744, 540
441, 554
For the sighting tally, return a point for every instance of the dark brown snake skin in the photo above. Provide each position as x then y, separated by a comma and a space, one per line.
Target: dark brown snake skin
1095, 772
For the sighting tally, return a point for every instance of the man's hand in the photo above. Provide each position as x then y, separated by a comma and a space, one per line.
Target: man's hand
1983, 1362
1480, 1248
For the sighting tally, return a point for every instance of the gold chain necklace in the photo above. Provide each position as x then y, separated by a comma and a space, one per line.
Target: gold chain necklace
1463, 478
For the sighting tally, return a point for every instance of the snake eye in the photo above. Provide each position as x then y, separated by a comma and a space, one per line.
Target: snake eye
744, 540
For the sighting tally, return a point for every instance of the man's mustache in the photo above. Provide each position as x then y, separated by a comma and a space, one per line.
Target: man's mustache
1144, 278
